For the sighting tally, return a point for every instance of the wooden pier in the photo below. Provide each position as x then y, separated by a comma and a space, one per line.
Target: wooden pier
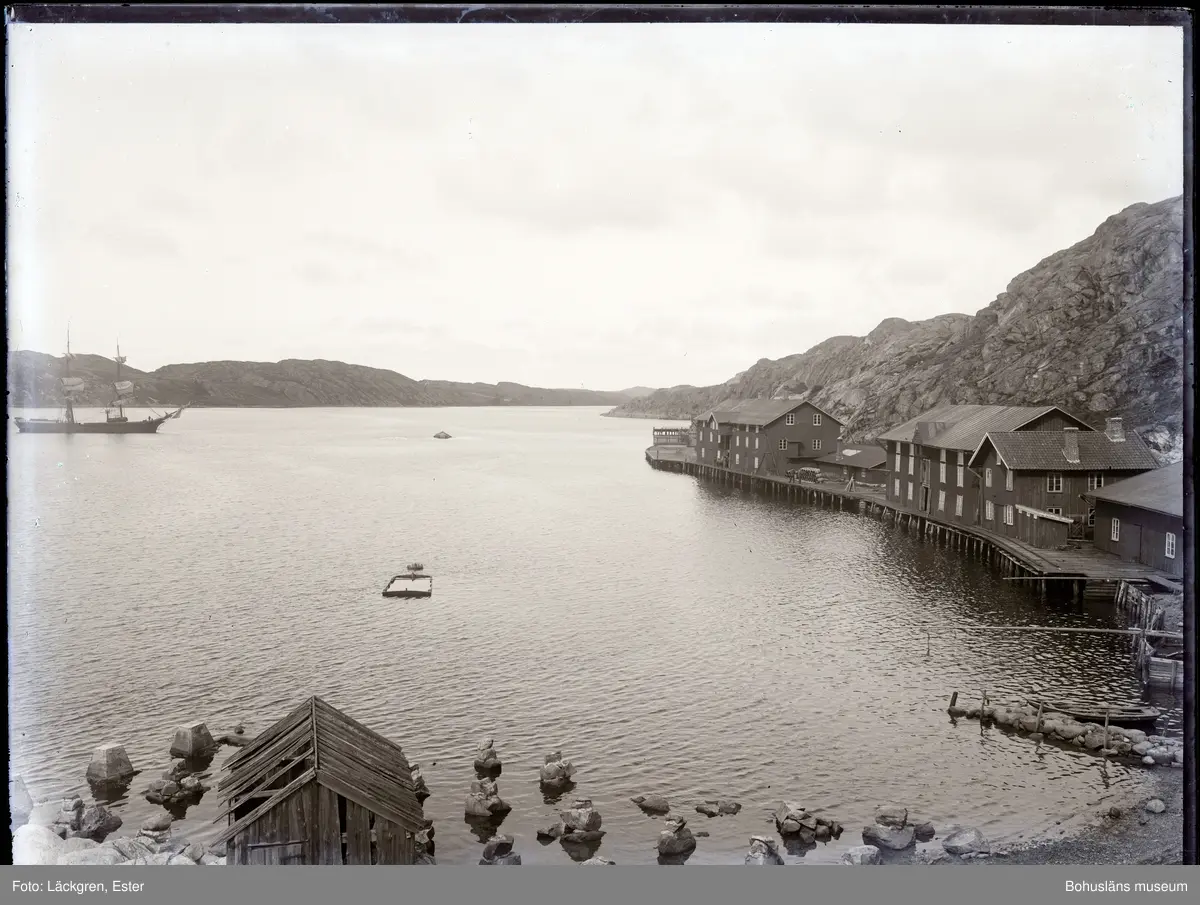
1081, 574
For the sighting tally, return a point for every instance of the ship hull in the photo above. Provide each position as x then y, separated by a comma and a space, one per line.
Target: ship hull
43, 426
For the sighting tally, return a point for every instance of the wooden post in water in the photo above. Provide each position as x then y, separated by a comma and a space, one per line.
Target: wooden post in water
953, 700
1037, 726
1107, 707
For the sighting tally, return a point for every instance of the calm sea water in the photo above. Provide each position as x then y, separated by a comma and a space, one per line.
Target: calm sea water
669, 636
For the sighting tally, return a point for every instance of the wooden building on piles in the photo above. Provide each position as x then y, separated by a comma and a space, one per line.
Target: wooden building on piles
766, 436
1140, 519
319, 788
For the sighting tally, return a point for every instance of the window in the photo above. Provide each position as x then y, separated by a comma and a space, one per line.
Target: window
756, 462
941, 500
897, 457
1092, 517
1008, 480
737, 459
960, 475
1095, 480
942, 456
897, 490
958, 506
737, 441
1116, 530
1055, 510
910, 487
987, 477
817, 420
1170, 546
912, 457
783, 444
790, 420
989, 511
756, 441
701, 452
1008, 514
1054, 482
817, 443
942, 470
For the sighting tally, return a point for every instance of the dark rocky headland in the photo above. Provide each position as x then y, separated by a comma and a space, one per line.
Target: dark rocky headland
1096, 328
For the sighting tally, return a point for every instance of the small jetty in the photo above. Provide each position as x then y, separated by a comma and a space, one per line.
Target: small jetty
1135, 717
413, 583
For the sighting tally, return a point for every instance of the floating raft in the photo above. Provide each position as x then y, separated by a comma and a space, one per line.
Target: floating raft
411, 584
1127, 716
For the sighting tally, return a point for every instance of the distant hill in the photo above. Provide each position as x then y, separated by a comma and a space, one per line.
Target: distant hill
1096, 328
33, 379
637, 392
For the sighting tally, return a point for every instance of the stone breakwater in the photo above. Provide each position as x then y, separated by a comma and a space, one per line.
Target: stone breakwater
38, 843
1116, 741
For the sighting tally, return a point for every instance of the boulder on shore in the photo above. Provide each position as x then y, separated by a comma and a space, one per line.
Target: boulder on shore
97, 823
895, 839
676, 839
924, 831
862, 854
892, 815
764, 850
966, 841
597, 860
20, 801
34, 844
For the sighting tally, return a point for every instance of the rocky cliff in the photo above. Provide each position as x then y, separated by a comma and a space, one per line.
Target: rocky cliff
1097, 329
33, 379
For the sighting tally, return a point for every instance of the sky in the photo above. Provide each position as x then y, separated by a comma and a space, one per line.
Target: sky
581, 205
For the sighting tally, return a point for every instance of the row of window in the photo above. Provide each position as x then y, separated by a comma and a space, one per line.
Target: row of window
1169, 549
790, 420
783, 445
1054, 480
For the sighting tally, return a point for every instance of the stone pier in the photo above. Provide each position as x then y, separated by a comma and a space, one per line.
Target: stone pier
109, 764
192, 740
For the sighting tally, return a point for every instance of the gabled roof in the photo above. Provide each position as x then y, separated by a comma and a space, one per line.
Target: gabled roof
1045, 451
962, 427
339, 753
761, 412
1160, 491
862, 456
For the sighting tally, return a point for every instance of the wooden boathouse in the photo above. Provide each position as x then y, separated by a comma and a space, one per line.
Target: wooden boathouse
319, 788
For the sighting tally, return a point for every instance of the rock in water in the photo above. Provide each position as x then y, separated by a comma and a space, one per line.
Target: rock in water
550, 833
652, 804
676, 839
966, 841
97, 823
924, 831
862, 854
597, 861
764, 850
581, 822
892, 815
441, 435
487, 761
420, 789
499, 850
484, 800
20, 802
889, 837
556, 771
790, 818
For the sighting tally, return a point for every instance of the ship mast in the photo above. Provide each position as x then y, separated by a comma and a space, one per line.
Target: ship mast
66, 376
120, 361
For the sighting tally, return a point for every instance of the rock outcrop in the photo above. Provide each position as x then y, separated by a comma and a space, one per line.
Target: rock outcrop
1096, 328
791, 820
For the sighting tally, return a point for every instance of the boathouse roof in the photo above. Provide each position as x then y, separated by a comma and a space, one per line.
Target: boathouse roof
1160, 491
1047, 451
860, 456
761, 412
962, 427
336, 752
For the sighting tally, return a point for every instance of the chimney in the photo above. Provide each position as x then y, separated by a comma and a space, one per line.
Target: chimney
1071, 444
1115, 429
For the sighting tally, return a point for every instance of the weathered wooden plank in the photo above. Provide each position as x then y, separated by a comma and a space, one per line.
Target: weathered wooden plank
247, 771
396, 804
358, 833
285, 724
380, 809
266, 806
381, 742
368, 779
329, 830
234, 799
312, 823
389, 842
371, 747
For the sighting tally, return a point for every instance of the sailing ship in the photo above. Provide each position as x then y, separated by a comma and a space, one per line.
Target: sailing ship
115, 421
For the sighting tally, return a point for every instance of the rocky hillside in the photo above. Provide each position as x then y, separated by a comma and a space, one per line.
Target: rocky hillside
1097, 329
32, 382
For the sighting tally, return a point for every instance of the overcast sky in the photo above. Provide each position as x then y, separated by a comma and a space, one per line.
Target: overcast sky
602, 206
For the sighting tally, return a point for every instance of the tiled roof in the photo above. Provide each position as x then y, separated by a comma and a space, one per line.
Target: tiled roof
762, 412
1160, 490
962, 427
858, 456
1044, 451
